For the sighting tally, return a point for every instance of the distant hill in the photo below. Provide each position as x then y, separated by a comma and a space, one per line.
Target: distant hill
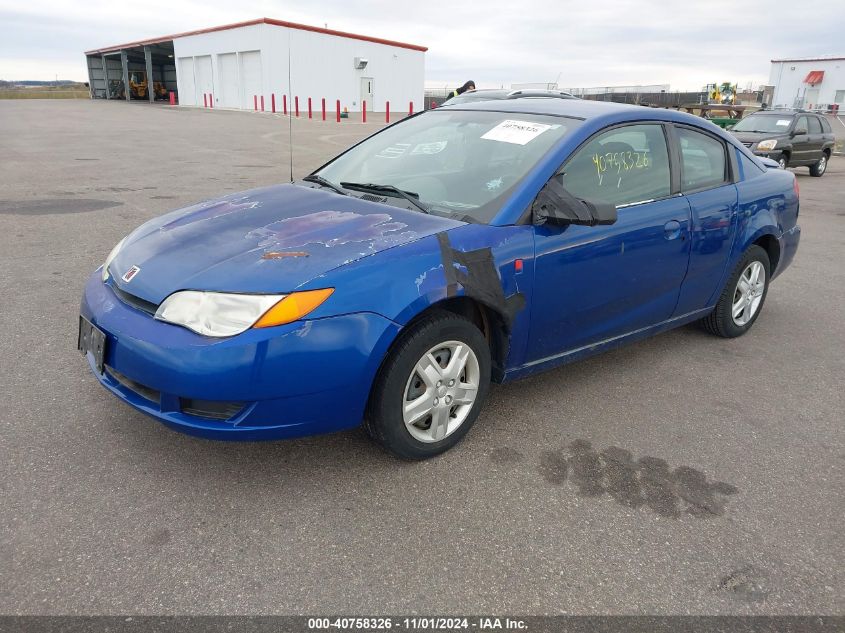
29, 82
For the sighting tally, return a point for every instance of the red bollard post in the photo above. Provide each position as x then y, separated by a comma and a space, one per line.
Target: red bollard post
363, 112
255, 102
338, 110
433, 105
285, 105
309, 107
172, 98
210, 100
324, 108
410, 108
296, 102
387, 113
262, 103
273, 103
204, 100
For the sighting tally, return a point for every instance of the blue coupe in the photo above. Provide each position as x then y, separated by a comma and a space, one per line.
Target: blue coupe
473, 243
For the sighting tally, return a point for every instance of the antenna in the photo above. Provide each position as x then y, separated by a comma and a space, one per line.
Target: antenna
290, 114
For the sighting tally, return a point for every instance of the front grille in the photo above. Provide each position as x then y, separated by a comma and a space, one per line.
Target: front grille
133, 301
136, 387
211, 409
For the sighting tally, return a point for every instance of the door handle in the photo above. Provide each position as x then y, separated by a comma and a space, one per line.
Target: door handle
672, 230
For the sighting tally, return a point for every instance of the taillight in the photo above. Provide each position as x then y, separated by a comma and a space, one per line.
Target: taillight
795, 186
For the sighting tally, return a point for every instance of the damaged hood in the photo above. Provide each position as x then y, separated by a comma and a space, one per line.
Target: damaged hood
268, 240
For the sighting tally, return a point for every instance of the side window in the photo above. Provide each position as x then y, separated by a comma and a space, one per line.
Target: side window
703, 160
749, 167
815, 125
801, 124
826, 126
621, 166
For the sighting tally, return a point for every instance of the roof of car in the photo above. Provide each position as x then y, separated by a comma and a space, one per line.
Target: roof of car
599, 113
782, 112
577, 108
486, 94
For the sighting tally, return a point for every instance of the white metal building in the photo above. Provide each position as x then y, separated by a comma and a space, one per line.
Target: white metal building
810, 83
235, 65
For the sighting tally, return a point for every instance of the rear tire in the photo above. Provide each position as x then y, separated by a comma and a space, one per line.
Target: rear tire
430, 388
742, 299
820, 167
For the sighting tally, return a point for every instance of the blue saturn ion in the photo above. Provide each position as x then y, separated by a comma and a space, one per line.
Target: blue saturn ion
478, 242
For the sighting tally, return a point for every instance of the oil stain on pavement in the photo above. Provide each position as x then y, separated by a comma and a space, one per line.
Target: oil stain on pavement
647, 482
747, 583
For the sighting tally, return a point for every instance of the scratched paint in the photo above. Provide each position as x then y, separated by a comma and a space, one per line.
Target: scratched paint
284, 255
332, 228
212, 209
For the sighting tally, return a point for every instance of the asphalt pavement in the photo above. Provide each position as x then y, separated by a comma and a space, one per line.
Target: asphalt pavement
685, 474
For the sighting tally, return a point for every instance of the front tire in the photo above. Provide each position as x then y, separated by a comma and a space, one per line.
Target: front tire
820, 167
742, 299
430, 388
783, 161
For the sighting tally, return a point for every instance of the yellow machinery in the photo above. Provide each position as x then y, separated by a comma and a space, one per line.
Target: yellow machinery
138, 86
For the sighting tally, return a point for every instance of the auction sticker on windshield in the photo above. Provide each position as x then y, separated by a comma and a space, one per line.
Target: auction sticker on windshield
516, 132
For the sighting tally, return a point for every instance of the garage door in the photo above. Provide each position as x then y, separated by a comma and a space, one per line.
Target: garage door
187, 86
229, 88
250, 78
204, 77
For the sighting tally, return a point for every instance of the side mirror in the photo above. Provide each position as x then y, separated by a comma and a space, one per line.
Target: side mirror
555, 205
799, 131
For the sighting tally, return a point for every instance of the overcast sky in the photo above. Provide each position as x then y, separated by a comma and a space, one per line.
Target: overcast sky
584, 43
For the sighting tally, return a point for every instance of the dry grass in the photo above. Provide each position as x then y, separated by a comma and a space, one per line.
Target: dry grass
45, 92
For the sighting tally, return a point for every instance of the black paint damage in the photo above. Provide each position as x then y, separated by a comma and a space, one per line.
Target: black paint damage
480, 281
475, 271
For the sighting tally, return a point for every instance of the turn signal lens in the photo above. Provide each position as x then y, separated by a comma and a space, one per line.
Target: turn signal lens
293, 307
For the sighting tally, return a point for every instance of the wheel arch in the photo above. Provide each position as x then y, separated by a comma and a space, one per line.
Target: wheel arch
492, 323
769, 243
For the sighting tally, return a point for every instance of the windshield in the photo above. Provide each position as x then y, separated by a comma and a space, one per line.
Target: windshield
772, 123
456, 163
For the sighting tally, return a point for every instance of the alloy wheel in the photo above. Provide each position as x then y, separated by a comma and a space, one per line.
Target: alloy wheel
748, 293
441, 391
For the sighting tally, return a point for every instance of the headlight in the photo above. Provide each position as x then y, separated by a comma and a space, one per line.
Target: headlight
224, 314
110, 258
766, 145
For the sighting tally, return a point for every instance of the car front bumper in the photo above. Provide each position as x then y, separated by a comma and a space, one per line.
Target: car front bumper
298, 379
